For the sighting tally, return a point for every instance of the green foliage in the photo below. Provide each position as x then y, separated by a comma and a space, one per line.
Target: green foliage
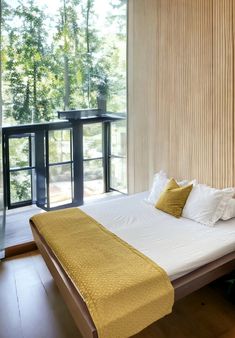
19, 152
20, 187
59, 146
27, 67
20, 184
73, 57
64, 61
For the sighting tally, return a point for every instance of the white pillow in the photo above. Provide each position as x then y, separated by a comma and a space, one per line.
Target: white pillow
229, 211
160, 180
206, 205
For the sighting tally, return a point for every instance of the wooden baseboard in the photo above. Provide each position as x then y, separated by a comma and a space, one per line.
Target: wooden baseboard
20, 249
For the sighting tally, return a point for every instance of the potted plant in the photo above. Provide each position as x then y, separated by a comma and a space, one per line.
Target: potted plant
102, 94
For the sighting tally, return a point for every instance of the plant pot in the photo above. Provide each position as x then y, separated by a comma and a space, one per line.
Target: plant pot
102, 104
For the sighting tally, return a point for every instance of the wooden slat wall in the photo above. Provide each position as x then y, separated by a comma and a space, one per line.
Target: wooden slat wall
142, 49
181, 90
223, 93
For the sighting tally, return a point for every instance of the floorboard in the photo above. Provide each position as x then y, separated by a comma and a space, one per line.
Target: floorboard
31, 307
10, 325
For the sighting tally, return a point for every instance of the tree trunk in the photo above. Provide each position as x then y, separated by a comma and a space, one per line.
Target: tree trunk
88, 52
35, 109
66, 83
26, 105
66, 65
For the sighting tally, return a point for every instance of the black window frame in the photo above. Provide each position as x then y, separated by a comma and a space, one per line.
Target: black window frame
41, 167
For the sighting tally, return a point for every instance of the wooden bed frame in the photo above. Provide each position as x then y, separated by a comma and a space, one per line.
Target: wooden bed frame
183, 286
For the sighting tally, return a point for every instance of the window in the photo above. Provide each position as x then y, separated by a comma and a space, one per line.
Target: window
60, 55
63, 55
60, 167
118, 156
93, 159
21, 169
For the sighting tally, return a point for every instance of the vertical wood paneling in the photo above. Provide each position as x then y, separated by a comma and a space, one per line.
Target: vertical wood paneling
191, 66
163, 86
223, 98
181, 113
142, 95
130, 101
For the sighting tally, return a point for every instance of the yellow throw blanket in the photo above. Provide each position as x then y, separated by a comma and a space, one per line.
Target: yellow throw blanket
124, 290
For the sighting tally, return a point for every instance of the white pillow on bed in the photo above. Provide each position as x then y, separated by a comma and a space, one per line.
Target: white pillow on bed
229, 211
206, 205
160, 180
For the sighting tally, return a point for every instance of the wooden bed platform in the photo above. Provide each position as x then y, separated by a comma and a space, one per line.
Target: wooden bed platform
183, 286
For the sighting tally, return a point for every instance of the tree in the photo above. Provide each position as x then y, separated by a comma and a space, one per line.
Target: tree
27, 66
118, 16
5, 12
68, 68
66, 50
90, 45
61, 60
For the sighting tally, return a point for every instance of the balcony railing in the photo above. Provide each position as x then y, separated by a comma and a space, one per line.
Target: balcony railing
55, 164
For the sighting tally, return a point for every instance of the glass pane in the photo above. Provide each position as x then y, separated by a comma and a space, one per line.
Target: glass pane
93, 178
118, 174
79, 49
59, 146
19, 152
118, 138
92, 140
60, 185
20, 186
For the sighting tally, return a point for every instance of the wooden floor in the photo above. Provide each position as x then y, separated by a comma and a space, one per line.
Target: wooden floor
31, 307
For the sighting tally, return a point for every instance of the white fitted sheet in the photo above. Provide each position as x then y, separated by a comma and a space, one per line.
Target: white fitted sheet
179, 246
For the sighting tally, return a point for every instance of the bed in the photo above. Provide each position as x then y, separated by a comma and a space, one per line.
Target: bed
192, 256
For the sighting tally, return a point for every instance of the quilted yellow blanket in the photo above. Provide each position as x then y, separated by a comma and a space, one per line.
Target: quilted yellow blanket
124, 290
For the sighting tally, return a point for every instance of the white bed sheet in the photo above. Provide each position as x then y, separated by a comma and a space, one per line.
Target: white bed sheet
179, 246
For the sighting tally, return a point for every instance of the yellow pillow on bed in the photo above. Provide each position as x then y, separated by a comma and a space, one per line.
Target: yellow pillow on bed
172, 200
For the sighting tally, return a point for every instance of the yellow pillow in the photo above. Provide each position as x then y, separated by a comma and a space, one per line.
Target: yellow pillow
172, 200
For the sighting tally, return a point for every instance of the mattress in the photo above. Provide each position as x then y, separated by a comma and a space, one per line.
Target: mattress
179, 246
